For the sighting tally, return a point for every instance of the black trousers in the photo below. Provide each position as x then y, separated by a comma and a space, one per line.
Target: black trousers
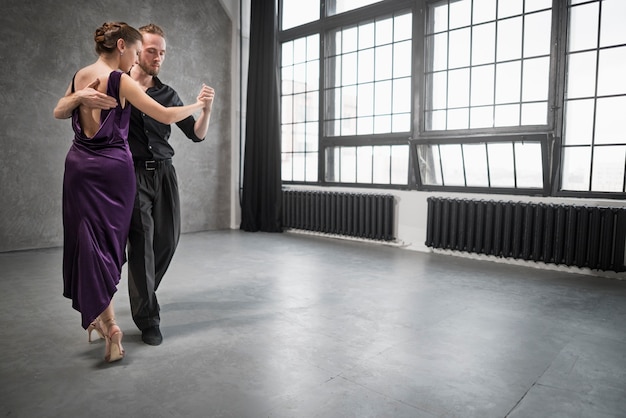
153, 237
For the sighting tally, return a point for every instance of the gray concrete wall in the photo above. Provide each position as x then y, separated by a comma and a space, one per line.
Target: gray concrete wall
42, 44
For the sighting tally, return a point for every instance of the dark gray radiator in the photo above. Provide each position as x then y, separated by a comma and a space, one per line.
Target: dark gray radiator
367, 216
580, 236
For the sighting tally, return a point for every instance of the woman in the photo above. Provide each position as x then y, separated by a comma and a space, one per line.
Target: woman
99, 181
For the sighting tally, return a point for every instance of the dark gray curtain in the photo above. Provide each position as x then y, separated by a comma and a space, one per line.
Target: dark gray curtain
261, 200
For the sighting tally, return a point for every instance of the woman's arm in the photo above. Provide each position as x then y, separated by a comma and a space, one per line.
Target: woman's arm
202, 124
167, 115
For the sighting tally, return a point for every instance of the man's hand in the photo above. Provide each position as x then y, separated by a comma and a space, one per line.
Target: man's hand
90, 97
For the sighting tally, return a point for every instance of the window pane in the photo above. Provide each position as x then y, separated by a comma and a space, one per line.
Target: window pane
484, 11
383, 58
475, 156
365, 97
298, 12
299, 107
452, 163
507, 115
608, 169
509, 39
481, 117
287, 53
299, 164
382, 124
382, 98
366, 66
381, 165
350, 38
402, 95
612, 30
428, 160
403, 28
460, 13
510, 8
483, 44
312, 134
439, 22
401, 122
348, 164
501, 170
366, 36
537, 28
349, 69
578, 122
402, 59
299, 137
311, 167
346, 5
458, 118
508, 82
286, 141
581, 75
482, 85
459, 49
458, 88
576, 164
534, 113
528, 165
440, 51
286, 167
536, 79
583, 33
384, 31
365, 125
610, 120
364, 160
312, 75
436, 121
399, 164
532, 5
611, 78
439, 82
287, 109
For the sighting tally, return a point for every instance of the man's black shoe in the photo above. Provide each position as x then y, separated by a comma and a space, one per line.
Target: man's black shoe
152, 335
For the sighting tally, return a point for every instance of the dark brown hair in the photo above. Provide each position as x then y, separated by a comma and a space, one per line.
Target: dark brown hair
107, 35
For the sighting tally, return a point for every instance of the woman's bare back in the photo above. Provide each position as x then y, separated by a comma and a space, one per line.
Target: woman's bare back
89, 117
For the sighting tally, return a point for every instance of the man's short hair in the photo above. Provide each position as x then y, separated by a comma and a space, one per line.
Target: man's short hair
152, 28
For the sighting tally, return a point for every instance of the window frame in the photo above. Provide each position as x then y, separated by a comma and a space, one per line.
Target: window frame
550, 134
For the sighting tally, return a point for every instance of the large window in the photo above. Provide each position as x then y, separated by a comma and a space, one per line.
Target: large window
488, 64
496, 96
594, 132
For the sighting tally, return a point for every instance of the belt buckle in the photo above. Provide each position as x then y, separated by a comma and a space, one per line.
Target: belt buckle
150, 165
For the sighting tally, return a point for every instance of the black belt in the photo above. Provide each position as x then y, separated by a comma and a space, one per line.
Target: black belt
152, 165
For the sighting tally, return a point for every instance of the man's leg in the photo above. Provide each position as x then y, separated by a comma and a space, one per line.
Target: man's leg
166, 215
141, 274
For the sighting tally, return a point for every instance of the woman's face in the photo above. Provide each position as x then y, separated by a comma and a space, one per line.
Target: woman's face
130, 56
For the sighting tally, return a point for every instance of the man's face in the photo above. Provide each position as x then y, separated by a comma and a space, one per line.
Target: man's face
152, 54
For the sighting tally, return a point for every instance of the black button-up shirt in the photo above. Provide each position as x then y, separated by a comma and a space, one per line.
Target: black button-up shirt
148, 138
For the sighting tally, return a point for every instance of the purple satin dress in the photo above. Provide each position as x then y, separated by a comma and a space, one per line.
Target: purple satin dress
98, 198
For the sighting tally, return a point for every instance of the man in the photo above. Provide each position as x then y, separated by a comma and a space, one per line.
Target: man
155, 223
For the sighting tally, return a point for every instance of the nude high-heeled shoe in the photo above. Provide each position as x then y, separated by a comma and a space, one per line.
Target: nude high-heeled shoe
95, 326
114, 350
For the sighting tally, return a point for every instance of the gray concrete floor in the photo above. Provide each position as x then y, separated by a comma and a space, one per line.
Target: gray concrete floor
288, 325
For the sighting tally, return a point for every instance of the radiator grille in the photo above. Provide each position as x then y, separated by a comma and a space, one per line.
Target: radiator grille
581, 236
367, 216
